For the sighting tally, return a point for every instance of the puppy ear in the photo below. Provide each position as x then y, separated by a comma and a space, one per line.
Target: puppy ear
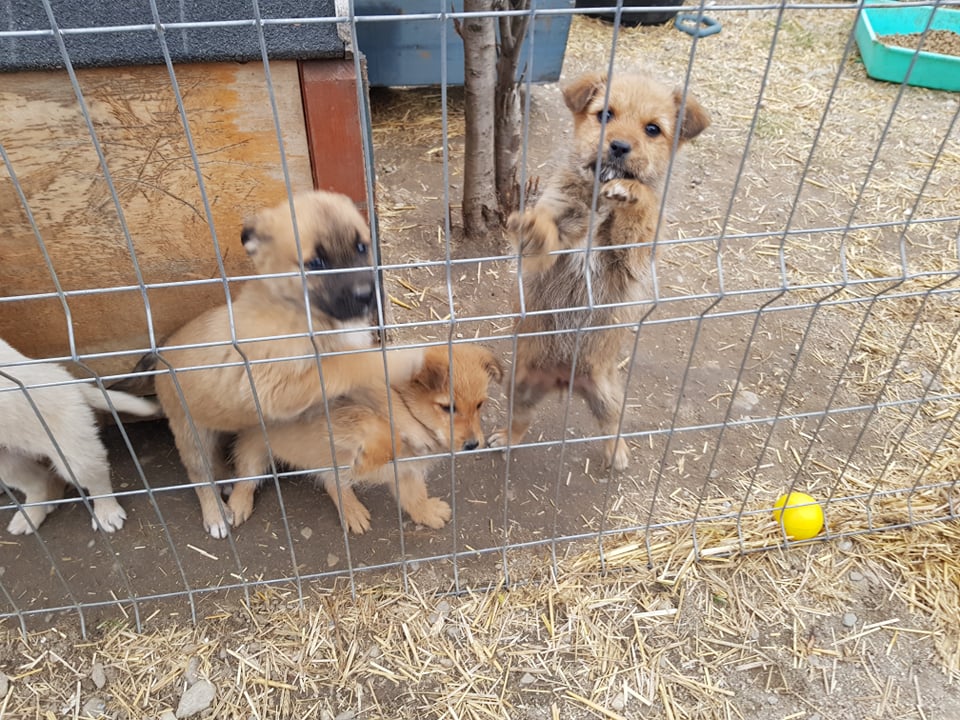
578, 93
435, 373
493, 366
695, 119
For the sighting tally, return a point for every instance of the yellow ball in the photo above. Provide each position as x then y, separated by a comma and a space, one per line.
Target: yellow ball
802, 516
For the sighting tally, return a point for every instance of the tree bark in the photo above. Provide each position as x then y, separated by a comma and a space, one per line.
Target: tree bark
479, 167
508, 126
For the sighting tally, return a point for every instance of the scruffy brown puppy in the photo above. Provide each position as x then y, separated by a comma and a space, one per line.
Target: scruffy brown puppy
219, 399
642, 122
421, 411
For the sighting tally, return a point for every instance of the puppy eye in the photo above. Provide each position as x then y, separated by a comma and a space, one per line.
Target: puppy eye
652, 130
479, 404
605, 115
361, 248
317, 263
447, 408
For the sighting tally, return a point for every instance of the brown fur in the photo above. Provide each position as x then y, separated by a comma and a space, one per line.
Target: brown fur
333, 235
364, 440
641, 127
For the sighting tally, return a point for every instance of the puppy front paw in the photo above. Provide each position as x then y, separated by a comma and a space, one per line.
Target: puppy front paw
108, 515
432, 512
20, 525
354, 515
240, 503
616, 454
218, 527
498, 439
621, 191
535, 235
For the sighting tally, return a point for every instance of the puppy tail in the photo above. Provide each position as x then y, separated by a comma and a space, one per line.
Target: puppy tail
121, 401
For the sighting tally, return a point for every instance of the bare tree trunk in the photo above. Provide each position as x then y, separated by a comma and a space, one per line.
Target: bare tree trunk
508, 126
479, 175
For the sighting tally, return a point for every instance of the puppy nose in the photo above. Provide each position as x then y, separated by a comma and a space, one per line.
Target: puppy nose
471, 445
619, 148
363, 293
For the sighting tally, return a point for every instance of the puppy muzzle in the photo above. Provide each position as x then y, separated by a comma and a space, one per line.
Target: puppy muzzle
348, 302
614, 165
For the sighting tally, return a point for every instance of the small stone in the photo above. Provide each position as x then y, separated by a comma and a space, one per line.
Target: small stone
326, 715
306, 533
454, 632
527, 679
617, 704
443, 607
4, 685
97, 675
346, 715
196, 699
845, 545
94, 707
773, 700
332, 559
432, 618
193, 666
849, 620
374, 652
168, 715
446, 662
856, 576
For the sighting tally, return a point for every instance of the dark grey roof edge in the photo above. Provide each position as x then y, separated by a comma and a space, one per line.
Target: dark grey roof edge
28, 43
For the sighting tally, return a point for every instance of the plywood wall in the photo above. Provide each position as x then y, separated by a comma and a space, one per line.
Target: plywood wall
139, 127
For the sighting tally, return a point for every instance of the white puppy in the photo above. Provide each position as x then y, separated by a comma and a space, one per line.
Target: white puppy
27, 450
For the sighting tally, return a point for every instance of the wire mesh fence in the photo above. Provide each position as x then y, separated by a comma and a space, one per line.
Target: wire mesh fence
798, 331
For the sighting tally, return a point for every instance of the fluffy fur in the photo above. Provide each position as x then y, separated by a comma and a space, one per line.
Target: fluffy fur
28, 454
364, 441
643, 120
219, 400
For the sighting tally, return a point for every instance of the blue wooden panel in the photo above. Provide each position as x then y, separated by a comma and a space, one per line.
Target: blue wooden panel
407, 52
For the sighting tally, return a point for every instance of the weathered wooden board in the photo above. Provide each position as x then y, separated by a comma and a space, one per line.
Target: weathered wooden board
139, 127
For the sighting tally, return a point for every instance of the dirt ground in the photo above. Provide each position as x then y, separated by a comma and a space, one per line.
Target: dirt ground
764, 363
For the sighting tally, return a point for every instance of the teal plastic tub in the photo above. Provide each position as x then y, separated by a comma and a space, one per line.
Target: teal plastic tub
891, 63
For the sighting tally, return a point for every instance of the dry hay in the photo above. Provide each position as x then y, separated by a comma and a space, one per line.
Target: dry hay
729, 636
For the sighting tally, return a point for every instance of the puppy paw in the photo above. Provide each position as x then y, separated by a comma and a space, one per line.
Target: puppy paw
616, 455
241, 506
20, 525
535, 235
217, 530
432, 512
355, 516
218, 526
109, 516
498, 439
503, 437
621, 191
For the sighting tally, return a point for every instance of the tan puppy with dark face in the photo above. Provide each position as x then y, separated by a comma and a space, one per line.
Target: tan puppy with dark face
219, 399
642, 122
421, 410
